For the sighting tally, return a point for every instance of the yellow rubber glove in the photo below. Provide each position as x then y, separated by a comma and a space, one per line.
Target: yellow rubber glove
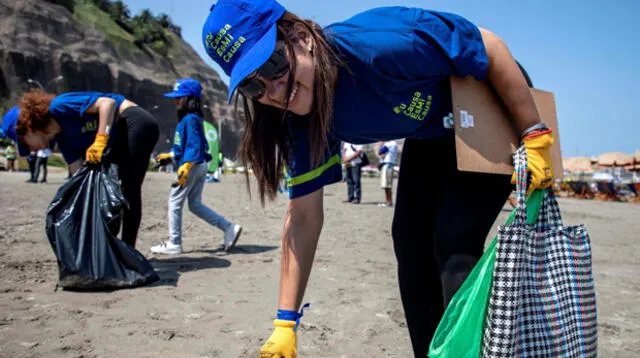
538, 161
283, 341
183, 173
163, 156
94, 152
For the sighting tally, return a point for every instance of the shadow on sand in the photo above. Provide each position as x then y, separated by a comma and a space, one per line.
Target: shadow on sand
170, 268
238, 250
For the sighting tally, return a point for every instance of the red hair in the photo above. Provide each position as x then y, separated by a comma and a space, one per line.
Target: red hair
34, 112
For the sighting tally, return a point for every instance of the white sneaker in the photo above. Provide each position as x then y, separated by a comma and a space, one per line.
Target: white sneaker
167, 248
231, 236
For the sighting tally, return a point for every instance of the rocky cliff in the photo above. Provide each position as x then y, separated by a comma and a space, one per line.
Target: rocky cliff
42, 41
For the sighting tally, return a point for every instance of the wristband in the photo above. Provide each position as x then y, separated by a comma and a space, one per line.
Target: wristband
536, 134
287, 315
533, 128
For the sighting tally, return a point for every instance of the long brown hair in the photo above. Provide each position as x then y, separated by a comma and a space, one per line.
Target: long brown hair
265, 142
34, 112
189, 104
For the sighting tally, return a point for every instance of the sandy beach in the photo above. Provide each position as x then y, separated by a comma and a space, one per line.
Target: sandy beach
212, 304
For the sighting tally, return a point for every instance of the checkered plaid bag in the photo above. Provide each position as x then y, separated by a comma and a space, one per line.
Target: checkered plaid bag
543, 301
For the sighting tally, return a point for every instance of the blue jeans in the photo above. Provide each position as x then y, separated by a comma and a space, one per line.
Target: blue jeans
193, 192
354, 191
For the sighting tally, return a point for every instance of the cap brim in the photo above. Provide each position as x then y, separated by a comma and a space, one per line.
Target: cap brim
253, 59
174, 95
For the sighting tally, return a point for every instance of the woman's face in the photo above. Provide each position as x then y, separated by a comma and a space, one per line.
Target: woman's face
301, 96
36, 140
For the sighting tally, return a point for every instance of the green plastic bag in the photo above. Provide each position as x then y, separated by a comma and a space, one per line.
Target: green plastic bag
459, 334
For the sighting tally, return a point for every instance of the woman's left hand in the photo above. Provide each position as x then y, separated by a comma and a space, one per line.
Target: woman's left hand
283, 341
538, 160
94, 152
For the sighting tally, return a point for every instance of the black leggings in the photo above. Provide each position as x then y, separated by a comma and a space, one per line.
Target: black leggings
136, 135
441, 219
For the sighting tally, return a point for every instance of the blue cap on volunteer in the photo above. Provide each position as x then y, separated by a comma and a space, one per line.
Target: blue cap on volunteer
9, 121
185, 87
240, 35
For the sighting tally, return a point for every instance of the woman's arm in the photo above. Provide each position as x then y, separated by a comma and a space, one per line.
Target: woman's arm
105, 107
507, 79
302, 227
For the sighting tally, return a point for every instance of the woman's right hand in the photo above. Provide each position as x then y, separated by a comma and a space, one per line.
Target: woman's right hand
163, 156
94, 152
283, 341
538, 160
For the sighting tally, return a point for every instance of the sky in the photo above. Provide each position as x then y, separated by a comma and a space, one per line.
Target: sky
586, 52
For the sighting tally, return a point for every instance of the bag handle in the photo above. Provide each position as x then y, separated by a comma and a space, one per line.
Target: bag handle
520, 163
549, 217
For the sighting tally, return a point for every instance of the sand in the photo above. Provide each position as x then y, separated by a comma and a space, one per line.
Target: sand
212, 304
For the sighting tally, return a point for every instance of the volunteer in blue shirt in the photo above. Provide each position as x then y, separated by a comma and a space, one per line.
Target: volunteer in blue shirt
380, 75
191, 153
387, 153
10, 117
83, 124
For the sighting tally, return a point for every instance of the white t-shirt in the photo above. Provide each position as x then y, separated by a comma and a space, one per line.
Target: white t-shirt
44, 153
390, 156
349, 151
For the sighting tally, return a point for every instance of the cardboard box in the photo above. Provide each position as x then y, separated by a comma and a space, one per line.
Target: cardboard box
485, 136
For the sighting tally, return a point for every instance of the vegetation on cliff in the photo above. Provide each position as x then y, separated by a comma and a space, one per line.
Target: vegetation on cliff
115, 20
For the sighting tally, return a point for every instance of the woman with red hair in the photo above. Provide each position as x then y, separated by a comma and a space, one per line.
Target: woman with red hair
83, 124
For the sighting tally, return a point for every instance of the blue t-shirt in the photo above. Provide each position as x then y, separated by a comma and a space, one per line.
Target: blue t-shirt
400, 61
9, 121
79, 128
189, 142
302, 177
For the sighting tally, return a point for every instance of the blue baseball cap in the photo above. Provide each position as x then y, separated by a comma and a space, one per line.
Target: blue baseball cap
240, 35
185, 87
9, 121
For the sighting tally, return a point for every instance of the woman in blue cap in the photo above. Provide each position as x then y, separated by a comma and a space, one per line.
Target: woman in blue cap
83, 124
380, 75
191, 153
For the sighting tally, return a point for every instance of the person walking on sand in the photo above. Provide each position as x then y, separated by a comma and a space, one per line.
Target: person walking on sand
191, 153
353, 166
10, 154
83, 124
387, 152
383, 74
41, 162
32, 160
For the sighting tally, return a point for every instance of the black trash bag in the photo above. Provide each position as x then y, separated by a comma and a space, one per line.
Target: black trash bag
90, 256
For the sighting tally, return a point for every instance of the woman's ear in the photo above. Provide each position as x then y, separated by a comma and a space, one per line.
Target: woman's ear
303, 36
